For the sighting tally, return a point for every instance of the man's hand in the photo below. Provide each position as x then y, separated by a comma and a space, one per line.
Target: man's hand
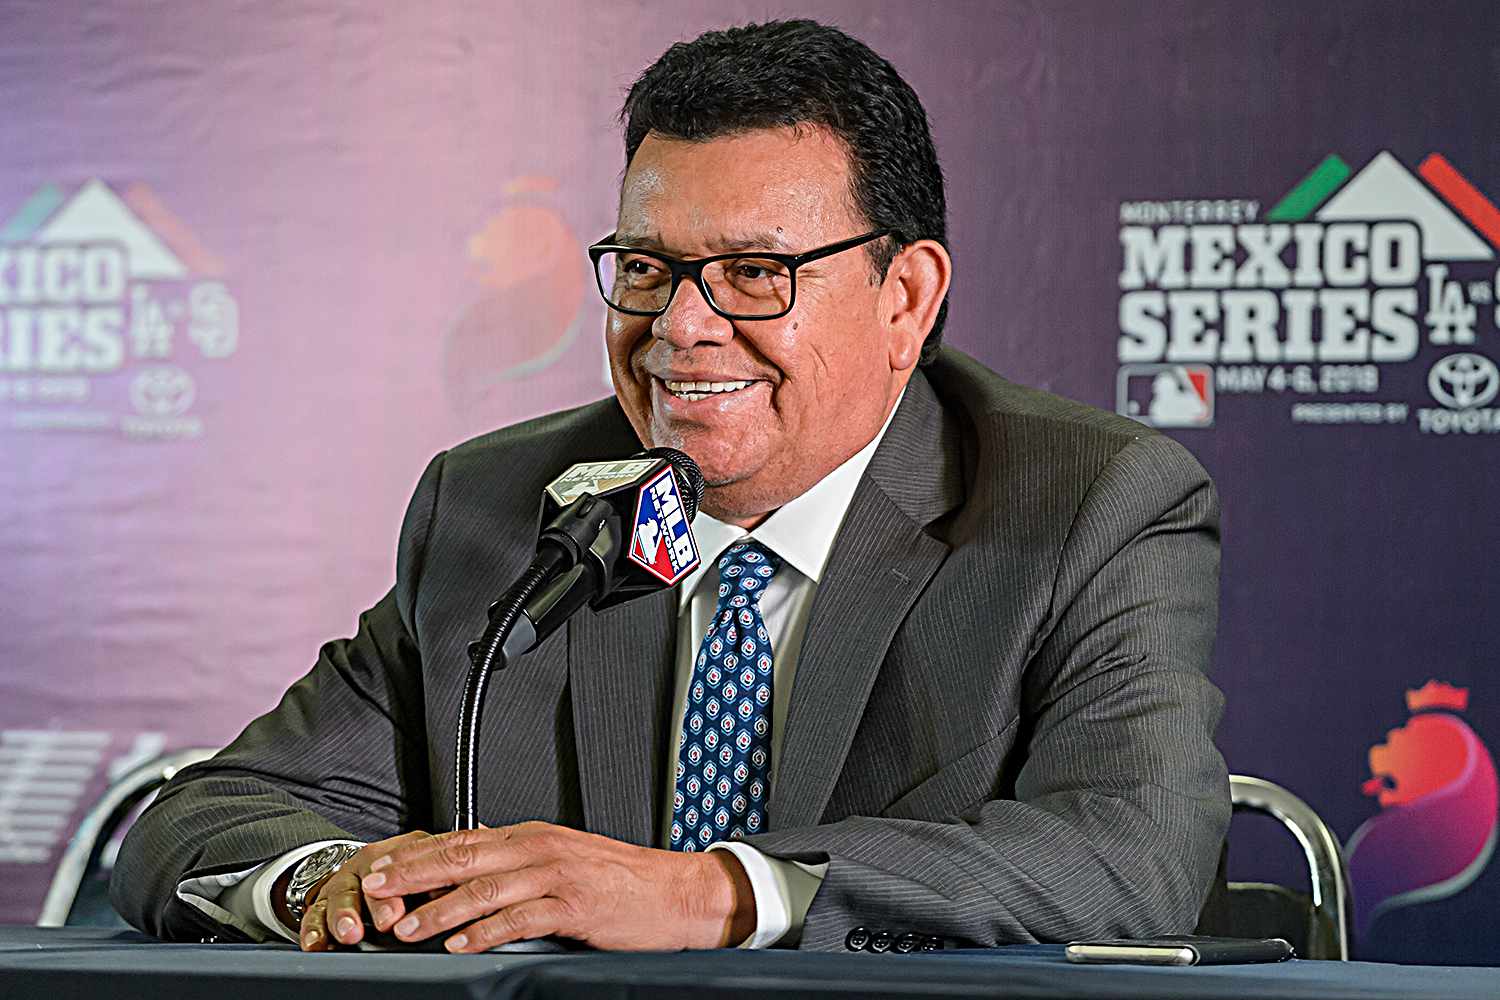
336, 915
536, 879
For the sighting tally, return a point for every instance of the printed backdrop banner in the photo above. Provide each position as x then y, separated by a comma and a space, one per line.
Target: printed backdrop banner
259, 263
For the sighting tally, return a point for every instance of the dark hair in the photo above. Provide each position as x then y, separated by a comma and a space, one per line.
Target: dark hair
796, 73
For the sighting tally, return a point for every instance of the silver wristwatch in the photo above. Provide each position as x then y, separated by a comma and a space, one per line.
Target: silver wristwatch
310, 871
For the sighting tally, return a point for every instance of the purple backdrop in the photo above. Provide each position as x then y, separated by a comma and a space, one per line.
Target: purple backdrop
258, 264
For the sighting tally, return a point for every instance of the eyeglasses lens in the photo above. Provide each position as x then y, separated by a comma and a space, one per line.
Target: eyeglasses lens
745, 287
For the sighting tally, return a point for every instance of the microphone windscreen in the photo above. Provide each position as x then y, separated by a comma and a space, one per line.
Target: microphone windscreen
689, 478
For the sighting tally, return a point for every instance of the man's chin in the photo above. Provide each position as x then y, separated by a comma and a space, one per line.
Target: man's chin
722, 455
722, 481
718, 477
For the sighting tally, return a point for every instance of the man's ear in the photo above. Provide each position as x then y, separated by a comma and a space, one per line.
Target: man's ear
910, 296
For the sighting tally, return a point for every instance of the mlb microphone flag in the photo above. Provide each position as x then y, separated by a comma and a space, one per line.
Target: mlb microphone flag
597, 478
661, 542
644, 527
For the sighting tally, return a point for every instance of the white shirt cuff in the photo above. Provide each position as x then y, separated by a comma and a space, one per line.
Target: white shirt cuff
242, 900
783, 892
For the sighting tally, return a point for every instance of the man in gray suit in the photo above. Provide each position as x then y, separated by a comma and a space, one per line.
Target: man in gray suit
939, 680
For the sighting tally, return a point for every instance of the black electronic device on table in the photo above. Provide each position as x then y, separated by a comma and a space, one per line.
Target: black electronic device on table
1188, 949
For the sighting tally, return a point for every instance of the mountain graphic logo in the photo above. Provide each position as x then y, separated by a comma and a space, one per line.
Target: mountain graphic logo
157, 245
1444, 208
1435, 781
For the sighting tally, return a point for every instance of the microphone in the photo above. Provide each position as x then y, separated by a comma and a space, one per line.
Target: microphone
615, 530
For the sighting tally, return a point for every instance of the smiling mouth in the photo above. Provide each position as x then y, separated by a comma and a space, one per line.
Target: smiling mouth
703, 390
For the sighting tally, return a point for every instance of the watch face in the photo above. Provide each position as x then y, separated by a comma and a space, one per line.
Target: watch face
316, 865
312, 869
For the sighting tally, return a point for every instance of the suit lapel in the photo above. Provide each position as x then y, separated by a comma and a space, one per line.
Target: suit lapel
620, 666
874, 574
881, 561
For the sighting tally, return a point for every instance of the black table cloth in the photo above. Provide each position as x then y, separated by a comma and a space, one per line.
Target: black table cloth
61, 964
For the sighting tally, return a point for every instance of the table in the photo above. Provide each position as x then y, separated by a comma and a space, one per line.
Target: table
67, 963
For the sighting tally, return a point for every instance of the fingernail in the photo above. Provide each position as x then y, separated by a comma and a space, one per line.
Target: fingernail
379, 914
407, 926
374, 881
457, 941
345, 926
309, 939
380, 862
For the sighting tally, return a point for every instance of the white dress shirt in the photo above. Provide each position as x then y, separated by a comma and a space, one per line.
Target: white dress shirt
801, 533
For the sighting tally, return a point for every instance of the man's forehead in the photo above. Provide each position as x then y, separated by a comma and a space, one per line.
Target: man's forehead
720, 242
769, 189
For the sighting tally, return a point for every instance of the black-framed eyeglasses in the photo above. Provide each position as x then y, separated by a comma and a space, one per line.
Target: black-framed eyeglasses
759, 285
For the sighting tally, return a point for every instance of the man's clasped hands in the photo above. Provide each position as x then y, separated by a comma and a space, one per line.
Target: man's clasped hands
475, 889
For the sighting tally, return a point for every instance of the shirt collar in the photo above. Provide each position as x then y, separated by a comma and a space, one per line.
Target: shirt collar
801, 531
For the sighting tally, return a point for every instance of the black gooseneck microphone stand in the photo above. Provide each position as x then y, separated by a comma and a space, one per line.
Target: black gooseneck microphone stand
576, 563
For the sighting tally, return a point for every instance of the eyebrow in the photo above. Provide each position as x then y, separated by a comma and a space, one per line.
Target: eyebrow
762, 240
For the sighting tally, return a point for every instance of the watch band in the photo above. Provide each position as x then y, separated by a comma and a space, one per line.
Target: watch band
312, 870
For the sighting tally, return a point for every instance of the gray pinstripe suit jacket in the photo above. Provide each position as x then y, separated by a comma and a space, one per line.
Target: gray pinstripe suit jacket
1001, 729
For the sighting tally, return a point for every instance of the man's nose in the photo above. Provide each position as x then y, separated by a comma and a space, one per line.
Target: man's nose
689, 321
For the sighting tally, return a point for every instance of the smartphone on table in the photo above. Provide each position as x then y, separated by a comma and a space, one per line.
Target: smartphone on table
1188, 949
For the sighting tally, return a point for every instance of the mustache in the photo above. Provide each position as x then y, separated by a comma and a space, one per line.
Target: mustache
723, 369
658, 361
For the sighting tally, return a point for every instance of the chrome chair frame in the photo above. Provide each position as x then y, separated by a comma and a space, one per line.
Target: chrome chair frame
1329, 874
99, 824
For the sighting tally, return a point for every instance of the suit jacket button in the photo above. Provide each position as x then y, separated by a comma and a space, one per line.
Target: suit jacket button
932, 944
881, 941
907, 943
857, 939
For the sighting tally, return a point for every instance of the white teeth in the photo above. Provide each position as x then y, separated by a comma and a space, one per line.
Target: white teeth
701, 390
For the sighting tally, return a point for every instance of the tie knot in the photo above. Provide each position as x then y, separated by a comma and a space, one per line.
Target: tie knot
745, 571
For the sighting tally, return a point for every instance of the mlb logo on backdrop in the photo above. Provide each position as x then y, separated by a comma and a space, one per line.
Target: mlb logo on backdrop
1167, 395
662, 543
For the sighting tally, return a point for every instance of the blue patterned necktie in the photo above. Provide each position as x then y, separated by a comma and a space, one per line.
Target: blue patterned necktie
724, 752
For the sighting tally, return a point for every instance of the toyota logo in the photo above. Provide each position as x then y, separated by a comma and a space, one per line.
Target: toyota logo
1464, 381
162, 392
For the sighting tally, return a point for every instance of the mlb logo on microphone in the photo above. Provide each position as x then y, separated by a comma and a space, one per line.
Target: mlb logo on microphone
1167, 395
662, 543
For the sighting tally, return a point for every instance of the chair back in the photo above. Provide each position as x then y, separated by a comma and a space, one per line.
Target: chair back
1316, 922
79, 893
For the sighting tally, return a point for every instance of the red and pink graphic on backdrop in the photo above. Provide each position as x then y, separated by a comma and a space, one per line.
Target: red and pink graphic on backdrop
1435, 781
